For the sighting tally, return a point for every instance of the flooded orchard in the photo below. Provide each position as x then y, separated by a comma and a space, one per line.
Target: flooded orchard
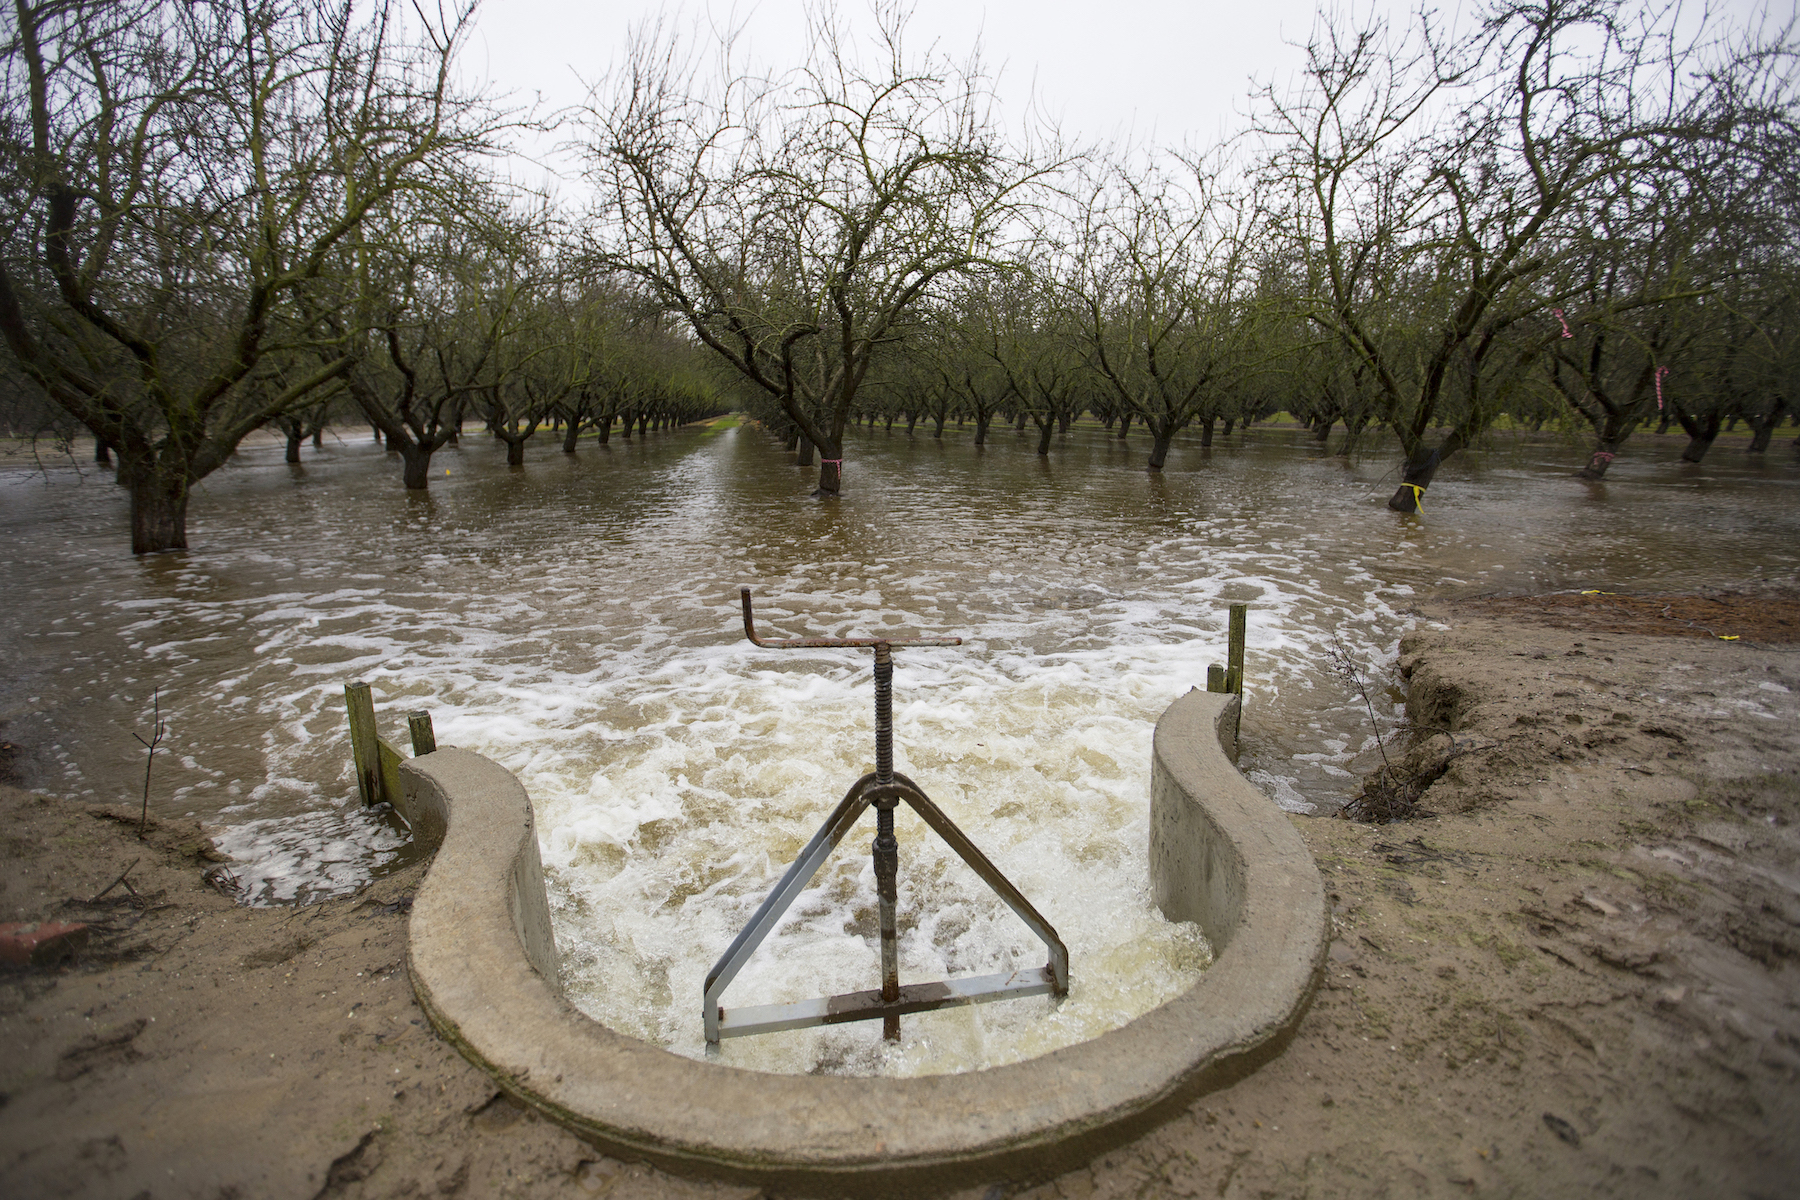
577, 621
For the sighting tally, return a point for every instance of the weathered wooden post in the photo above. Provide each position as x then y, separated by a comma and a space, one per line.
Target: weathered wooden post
377, 761
1234, 667
364, 742
1215, 678
424, 738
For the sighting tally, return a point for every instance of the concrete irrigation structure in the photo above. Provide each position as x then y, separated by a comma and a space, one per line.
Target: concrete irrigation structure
484, 966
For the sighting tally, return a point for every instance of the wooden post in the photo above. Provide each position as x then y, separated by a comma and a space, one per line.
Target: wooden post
1215, 678
1234, 669
364, 744
390, 770
424, 739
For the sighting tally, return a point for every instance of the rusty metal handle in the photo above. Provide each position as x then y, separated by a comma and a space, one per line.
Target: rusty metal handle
827, 643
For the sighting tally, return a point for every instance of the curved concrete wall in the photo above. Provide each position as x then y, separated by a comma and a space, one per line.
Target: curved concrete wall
483, 964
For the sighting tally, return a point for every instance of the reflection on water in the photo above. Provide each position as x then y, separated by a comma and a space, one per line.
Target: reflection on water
576, 620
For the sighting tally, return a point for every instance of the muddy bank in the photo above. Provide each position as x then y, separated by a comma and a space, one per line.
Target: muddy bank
1578, 977
198, 1048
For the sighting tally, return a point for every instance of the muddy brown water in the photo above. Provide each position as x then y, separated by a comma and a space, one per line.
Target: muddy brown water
576, 619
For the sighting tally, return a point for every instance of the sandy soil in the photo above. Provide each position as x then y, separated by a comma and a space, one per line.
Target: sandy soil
1581, 977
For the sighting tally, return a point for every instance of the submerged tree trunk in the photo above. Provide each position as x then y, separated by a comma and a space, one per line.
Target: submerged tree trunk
1420, 470
1163, 438
1206, 433
1229, 422
1701, 431
1764, 427
1599, 461
294, 437
158, 512
1046, 427
416, 467
831, 474
1124, 425
982, 419
570, 433
1613, 432
806, 452
102, 455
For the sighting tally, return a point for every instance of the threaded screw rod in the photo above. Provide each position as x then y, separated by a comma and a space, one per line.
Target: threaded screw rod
886, 849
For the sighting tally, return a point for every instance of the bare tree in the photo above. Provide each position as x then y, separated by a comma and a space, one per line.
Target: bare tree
1163, 287
795, 223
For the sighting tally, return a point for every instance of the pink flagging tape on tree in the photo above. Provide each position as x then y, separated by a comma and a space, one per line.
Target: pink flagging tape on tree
1660, 372
1565, 323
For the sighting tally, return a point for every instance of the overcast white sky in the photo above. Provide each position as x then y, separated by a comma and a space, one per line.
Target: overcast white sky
1151, 69
1143, 67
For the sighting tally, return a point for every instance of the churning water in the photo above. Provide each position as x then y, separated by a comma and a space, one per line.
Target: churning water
577, 621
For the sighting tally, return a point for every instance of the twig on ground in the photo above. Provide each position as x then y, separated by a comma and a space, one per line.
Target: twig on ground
115, 883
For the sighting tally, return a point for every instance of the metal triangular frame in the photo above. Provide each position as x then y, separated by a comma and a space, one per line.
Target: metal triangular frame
882, 788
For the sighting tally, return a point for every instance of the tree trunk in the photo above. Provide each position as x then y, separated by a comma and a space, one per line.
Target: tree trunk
1421, 469
1124, 425
1161, 439
982, 420
644, 425
318, 437
294, 437
158, 512
102, 455
1046, 427
605, 428
1765, 427
1613, 432
912, 418
1206, 433
1229, 422
831, 475
1701, 434
570, 433
515, 451
1599, 461
416, 469
806, 452
939, 431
